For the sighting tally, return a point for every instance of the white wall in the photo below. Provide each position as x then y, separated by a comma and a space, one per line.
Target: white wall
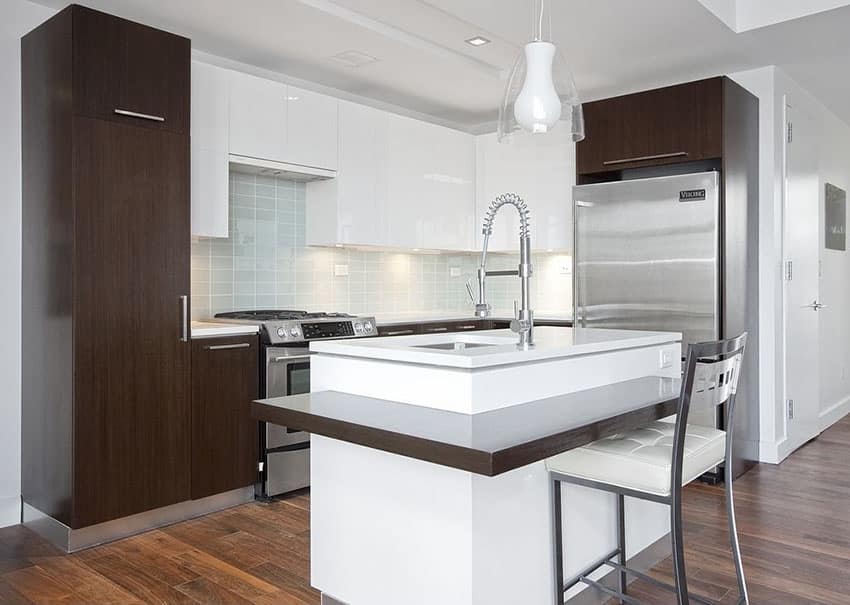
774, 87
17, 18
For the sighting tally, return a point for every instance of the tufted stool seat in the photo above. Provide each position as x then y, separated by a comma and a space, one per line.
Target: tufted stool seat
641, 460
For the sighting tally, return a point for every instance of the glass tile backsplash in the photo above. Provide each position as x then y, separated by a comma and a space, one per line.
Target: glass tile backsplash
265, 264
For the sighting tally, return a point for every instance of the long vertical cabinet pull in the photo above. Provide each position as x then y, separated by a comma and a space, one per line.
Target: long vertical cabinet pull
184, 318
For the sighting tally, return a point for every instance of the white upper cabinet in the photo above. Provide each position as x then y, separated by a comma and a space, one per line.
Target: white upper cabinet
278, 123
209, 150
257, 117
351, 209
400, 183
311, 129
431, 202
542, 172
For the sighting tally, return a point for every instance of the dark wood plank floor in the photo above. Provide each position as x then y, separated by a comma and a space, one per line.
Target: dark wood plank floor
794, 521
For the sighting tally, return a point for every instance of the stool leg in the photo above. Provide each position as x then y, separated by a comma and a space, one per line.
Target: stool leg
557, 541
677, 539
733, 537
621, 542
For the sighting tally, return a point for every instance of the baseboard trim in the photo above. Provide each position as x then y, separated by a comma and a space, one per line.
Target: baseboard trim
10, 510
645, 560
72, 540
834, 413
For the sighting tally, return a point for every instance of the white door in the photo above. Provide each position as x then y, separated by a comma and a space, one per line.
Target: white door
801, 251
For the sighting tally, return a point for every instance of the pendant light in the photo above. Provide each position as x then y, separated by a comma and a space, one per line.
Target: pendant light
540, 96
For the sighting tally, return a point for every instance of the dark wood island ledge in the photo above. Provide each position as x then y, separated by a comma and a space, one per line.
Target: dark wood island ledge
488, 443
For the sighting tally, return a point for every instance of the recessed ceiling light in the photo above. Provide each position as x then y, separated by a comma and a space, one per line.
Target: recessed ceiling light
353, 58
478, 41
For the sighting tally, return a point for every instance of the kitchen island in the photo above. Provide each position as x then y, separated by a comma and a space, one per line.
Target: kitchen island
428, 480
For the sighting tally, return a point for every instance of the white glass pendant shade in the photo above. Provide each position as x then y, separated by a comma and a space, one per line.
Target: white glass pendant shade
537, 107
540, 95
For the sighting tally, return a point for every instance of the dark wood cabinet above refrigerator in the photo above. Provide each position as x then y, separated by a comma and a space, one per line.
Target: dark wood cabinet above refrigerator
106, 250
682, 123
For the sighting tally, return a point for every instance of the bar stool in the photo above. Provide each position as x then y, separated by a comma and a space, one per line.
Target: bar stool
653, 463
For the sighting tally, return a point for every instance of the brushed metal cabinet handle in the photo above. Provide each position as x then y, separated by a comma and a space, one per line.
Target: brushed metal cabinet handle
436, 329
398, 333
646, 158
468, 327
240, 345
141, 116
184, 318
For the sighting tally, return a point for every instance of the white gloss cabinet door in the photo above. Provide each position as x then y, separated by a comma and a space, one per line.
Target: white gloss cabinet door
209, 150
257, 117
431, 183
542, 172
311, 129
351, 208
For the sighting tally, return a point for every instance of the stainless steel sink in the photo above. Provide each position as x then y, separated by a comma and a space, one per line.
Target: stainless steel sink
455, 346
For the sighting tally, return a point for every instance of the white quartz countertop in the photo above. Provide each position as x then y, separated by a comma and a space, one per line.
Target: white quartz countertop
488, 348
208, 329
389, 319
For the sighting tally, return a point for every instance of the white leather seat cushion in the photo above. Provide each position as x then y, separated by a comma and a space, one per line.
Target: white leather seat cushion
641, 460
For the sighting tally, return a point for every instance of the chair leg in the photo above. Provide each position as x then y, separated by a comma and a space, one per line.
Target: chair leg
621, 543
557, 541
677, 539
733, 538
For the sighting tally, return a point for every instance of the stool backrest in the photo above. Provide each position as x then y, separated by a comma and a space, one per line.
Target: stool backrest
711, 377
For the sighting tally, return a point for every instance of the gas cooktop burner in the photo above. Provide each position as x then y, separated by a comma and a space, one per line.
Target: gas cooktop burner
299, 327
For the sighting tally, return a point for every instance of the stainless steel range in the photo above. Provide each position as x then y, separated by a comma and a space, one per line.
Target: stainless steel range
285, 370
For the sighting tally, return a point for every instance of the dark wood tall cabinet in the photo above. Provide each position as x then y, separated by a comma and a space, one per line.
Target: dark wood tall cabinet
106, 247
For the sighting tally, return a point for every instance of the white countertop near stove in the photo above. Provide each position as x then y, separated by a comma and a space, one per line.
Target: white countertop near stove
500, 346
208, 329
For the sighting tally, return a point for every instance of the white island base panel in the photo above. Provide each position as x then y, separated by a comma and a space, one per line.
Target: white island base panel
386, 529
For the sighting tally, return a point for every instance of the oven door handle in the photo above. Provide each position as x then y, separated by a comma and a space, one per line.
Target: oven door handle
285, 358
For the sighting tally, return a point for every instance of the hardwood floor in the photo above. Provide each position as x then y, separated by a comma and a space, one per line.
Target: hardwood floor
794, 522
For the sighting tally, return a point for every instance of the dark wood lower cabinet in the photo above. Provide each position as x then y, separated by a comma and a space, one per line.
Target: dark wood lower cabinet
225, 380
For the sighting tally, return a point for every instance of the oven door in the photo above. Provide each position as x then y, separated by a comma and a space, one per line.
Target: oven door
287, 373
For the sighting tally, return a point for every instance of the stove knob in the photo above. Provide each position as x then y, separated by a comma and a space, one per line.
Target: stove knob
368, 327
281, 332
358, 326
294, 332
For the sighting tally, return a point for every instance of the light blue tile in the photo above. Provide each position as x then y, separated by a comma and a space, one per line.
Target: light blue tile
244, 263
245, 288
222, 288
266, 300
267, 191
268, 181
242, 188
245, 302
266, 215
242, 202
265, 276
264, 203
244, 276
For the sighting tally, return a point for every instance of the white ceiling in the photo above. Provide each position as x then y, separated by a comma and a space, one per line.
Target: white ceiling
424, 66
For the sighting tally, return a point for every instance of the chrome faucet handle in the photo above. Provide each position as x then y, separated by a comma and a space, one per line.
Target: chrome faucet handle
519, 324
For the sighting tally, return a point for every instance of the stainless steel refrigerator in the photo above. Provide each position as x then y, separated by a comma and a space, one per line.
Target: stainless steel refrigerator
664, 254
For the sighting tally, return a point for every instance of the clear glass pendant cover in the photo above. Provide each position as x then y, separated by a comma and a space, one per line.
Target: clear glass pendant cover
540, 96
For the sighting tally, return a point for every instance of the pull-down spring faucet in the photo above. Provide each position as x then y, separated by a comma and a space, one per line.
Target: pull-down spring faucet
523, 322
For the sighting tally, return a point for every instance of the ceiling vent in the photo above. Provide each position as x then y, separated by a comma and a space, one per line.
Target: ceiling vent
353, 58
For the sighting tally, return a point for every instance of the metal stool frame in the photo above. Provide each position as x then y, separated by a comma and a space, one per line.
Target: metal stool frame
710, 377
